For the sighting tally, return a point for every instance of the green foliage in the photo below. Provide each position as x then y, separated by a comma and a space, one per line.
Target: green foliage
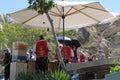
115, 69
2, 38
24, 76
57, 75
69, 33
15, 32
60, 75
42, 6
1, 67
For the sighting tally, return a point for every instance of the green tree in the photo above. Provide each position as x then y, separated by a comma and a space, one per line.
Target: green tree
3, 40
15, 32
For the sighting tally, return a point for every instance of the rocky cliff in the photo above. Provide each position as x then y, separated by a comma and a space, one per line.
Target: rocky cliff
91, 36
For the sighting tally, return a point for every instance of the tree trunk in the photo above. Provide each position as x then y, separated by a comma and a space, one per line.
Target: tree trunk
56, 42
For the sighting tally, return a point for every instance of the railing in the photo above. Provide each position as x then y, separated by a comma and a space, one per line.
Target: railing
82, 65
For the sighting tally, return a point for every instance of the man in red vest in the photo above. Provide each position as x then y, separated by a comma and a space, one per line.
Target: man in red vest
42, 48
67, 53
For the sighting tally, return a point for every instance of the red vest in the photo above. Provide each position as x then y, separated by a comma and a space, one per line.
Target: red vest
82, 57
41, 49
66, 52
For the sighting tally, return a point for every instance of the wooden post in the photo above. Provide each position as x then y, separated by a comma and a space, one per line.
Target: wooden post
31, 67
18, 63
16, 68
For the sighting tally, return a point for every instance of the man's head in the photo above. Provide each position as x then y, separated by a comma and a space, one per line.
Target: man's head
30, 51
5, 50
41, 37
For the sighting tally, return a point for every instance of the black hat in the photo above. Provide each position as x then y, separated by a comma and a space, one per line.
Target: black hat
41, 37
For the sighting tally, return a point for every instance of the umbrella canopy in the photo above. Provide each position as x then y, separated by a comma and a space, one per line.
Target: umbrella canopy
76, 14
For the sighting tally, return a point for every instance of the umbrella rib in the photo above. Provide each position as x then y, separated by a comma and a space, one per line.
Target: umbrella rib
87, 15
30, 18
92, 8
95, 8
75, 12
68, 11
56, 14
59, 10
80, 10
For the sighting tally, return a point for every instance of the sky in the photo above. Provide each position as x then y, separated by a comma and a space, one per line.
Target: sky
9, 6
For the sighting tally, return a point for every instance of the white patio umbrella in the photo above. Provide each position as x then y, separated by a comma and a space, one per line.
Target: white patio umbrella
75, 15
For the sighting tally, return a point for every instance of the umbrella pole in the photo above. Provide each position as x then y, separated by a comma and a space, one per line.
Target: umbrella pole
56, 41
63, 18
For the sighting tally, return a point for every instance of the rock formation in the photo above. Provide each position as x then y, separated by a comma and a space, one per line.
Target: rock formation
91, 36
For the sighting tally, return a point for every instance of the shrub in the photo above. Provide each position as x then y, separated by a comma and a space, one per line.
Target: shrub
56, 75
60, 75
116, 68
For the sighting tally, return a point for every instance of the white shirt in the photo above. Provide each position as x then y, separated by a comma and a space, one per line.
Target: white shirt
32, 57
101, 56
